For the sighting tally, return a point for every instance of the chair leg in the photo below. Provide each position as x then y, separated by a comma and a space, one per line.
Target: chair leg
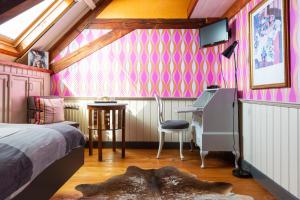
161, 143
90, 142
192, 143
203, 154
181, 144
237, 157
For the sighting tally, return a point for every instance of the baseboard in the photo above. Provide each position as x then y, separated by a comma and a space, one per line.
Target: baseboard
143, 145
278, 191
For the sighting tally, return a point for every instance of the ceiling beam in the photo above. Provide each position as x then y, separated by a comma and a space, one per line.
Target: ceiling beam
191, 7
88, 49
91, 4
8, 50
147, 23
70, 35
11, 8
235, 8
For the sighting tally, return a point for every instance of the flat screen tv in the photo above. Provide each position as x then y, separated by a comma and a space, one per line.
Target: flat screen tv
214, 33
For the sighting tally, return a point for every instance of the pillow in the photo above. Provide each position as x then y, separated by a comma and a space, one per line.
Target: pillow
49, 110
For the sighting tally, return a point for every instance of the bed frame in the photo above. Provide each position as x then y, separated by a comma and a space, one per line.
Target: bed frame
53, 177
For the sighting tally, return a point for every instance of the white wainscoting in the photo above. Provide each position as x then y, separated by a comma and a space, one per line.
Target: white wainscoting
271, 141
141, 118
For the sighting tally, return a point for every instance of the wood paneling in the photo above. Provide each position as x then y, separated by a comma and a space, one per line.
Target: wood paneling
70, 35
271, 142
4, 84
36, 87
141, 118
191, 7
18, 96
211, 8
147, 23
293, 158
89, 49
22, 66
235, 8
23, 81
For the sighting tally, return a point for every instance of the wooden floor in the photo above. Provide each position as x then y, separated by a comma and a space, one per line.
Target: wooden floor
217, 170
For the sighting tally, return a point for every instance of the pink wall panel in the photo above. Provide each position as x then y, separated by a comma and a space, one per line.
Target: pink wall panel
167, 62
240, 27
82, 39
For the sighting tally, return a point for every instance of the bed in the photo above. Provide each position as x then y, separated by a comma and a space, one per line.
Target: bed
35, 160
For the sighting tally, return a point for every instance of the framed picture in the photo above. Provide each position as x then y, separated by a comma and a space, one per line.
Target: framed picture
269, 44
38, 59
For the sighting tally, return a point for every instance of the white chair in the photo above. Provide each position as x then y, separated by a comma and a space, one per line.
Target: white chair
169, 126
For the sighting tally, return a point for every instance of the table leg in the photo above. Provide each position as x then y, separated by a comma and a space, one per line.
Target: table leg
114, 130
99, 136
90, 134
123, 133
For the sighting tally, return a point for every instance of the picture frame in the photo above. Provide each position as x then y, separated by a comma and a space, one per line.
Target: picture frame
269, 45
38, 59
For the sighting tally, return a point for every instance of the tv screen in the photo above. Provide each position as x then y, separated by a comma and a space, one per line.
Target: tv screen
214, 33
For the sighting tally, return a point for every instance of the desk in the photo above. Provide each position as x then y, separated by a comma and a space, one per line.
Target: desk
105, 118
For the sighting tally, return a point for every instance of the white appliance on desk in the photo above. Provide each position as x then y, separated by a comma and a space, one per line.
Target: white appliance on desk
213, 122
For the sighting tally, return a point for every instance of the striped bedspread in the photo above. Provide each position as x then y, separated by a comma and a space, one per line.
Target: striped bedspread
26, 150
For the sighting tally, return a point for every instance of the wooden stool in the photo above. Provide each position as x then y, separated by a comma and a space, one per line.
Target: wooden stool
104, 119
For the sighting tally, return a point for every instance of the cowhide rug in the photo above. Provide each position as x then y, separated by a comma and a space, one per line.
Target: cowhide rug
158, 184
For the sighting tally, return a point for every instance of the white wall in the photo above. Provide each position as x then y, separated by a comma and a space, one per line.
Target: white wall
271, 141
141, 118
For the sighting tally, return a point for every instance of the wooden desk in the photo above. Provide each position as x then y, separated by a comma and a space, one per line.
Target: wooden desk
101, 121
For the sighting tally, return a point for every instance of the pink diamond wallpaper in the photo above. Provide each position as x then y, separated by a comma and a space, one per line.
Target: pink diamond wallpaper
240, 27
167, 62
170, 63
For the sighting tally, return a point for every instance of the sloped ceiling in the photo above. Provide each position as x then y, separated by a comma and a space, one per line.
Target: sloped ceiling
59, 28
211, 8
146, 9
167, 9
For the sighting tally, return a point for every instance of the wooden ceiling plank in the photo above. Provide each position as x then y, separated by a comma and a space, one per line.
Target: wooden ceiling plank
10, 9
70, 35
147, 23
191, 7
89, 49
235, 8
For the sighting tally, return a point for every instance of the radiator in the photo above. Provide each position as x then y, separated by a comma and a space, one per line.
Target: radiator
141, 118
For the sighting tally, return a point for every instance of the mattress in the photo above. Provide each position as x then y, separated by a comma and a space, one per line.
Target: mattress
27, 149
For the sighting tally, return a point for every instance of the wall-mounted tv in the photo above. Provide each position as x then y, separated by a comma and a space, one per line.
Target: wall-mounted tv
214, 33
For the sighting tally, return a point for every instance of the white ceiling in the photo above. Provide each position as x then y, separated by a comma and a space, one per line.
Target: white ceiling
211, 8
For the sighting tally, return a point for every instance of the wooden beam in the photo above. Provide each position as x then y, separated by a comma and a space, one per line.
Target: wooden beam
70, 35
89, 49
191, 7
146, 23
8, 50
11, 8
90, 4
235, 8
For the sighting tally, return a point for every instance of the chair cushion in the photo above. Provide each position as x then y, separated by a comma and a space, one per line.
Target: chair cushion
175, 124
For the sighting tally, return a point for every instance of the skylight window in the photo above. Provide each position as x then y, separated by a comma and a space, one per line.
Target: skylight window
14, 27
